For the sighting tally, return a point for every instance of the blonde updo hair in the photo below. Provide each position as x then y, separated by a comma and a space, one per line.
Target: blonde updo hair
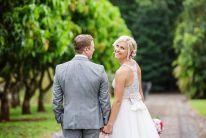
131, 43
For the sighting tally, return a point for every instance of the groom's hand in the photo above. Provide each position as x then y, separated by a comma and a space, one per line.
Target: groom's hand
101, 129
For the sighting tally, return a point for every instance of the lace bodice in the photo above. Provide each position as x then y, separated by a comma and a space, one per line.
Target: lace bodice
133, 89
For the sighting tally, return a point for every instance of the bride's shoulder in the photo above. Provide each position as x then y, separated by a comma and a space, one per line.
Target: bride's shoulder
122, 71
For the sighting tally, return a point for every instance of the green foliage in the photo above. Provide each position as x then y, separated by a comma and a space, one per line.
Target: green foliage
40, 32
152, 23
34, 31
189, 43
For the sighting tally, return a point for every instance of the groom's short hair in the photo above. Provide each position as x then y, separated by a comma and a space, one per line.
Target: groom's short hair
81, 41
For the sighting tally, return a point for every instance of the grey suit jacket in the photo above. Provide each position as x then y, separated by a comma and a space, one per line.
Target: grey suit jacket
80, 94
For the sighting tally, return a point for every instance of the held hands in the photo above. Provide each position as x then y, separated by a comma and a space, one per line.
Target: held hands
107, 129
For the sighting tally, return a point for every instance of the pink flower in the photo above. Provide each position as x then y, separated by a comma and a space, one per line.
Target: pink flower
159, 125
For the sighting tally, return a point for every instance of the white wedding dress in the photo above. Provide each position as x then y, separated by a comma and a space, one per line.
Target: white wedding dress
133, 120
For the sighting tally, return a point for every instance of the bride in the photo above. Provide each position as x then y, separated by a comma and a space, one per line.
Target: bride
129, 116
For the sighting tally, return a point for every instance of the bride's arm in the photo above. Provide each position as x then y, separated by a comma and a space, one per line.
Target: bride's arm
120, 78
140, 81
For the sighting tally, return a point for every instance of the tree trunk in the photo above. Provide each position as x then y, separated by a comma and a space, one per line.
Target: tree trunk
42, 90
26, 103
41, 102
4, 107
15, 100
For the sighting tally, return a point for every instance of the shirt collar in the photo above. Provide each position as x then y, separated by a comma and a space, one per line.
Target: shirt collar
81, 55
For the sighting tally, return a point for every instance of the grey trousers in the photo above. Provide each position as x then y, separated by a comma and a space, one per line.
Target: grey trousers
81, 133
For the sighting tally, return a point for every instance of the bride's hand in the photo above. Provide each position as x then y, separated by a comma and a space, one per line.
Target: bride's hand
107, 129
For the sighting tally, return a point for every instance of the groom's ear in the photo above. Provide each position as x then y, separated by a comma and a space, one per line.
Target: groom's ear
87, 48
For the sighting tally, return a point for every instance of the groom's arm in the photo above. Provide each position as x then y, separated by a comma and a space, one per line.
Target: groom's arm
57, 98
104, 98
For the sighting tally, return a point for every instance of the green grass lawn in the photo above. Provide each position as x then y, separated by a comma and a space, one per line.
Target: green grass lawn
42, 128
199, 106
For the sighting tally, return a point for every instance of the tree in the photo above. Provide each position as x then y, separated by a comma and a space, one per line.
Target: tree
189, 43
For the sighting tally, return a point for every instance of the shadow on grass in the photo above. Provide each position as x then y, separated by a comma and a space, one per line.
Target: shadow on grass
35, 125
25, 120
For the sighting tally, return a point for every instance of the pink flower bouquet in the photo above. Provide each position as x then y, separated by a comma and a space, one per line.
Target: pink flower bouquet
159, 125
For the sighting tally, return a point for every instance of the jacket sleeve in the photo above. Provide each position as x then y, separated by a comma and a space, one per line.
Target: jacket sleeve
57, 98
104, 98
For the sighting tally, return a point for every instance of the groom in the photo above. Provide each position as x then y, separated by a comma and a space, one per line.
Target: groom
80, 93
